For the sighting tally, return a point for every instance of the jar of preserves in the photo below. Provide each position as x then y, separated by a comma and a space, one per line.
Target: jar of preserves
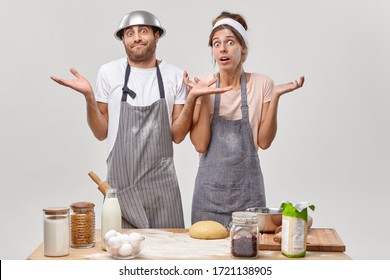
82, 220
244, 235
56, 231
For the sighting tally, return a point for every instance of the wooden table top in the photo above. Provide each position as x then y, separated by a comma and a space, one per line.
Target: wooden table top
176, 244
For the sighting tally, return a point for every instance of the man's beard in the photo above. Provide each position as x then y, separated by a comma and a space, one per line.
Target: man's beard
145, 56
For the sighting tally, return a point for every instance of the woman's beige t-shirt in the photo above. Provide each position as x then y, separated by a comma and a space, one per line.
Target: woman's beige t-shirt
259, 90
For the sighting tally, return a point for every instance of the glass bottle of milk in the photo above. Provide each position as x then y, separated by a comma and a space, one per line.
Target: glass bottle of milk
111, 214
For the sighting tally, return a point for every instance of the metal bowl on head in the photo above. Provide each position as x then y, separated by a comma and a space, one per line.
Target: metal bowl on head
138, 18
268, 219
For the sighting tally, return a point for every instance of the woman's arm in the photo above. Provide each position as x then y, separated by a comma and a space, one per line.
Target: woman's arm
200, 132
182, 119
268, 121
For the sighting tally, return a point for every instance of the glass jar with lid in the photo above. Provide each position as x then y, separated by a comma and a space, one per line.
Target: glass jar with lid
244, 235
56, 231
82, 219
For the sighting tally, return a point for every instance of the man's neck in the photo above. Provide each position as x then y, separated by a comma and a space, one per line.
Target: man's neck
142, 64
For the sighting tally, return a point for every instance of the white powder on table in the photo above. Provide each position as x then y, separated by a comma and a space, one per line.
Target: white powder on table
167, 245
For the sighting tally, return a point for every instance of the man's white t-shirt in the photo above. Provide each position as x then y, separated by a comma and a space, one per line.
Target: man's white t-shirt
143, 81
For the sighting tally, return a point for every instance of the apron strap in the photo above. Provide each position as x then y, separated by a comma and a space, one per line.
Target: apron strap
217, 97
244, 103
126, 91
160, 82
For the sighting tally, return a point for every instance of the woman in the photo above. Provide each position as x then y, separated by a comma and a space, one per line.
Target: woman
229, 128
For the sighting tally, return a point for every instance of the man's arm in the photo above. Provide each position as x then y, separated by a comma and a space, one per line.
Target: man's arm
97, 112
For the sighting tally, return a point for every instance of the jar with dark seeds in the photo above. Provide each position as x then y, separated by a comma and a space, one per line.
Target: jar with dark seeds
243, 235
244, 247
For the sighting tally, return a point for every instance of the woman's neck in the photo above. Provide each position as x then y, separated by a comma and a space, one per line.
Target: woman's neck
231, 78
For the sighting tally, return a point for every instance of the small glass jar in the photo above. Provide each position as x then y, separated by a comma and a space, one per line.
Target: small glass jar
56, 231
244, 235
82, 219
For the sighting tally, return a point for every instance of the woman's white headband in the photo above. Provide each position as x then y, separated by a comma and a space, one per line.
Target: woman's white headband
237, 26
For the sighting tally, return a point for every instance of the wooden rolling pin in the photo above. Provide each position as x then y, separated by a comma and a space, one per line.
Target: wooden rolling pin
102, 186
278, 235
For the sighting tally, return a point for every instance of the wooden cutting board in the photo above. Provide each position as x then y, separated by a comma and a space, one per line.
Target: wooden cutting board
318, 239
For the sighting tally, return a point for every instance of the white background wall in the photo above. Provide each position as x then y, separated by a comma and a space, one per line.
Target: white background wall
332, 146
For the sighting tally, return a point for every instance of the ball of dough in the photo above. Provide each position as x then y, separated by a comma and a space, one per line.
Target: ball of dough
208, 230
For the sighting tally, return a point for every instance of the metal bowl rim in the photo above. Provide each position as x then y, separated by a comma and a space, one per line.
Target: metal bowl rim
265, 210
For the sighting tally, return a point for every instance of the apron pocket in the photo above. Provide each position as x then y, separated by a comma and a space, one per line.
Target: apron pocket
226, 197
132, 208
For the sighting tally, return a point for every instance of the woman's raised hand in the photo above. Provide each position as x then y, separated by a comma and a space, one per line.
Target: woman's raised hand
199, 88
279, 90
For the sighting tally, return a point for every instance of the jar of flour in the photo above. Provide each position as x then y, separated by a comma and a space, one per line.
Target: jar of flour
56, 231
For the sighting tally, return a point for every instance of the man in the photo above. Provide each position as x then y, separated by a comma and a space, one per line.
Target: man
140, 107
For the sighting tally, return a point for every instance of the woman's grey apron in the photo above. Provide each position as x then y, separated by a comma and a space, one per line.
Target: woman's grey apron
141, 166
229, 176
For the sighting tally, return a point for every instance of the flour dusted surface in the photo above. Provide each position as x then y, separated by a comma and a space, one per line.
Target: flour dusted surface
167, 245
